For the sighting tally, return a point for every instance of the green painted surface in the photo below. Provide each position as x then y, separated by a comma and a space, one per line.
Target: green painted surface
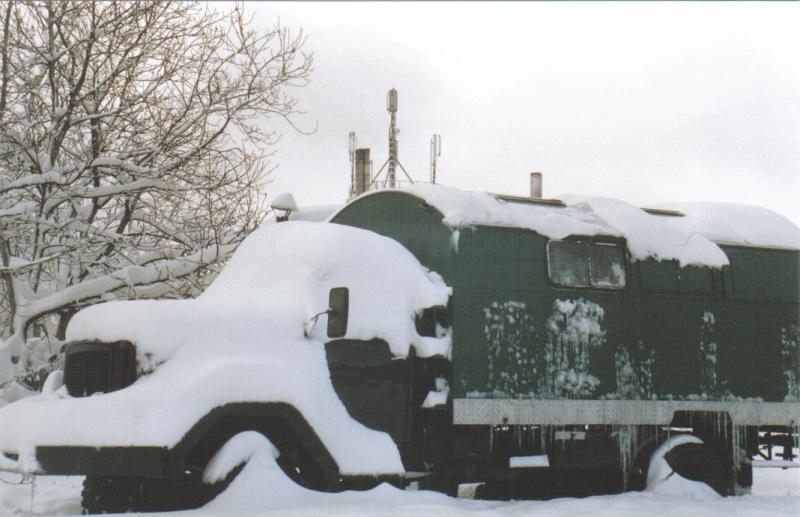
408, 220
680, 333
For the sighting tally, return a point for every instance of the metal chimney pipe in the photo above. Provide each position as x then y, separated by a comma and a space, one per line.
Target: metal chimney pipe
536, 185
363, 175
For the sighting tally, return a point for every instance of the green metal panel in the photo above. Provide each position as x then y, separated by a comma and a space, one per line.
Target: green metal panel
502, 274
499, 266
408, 220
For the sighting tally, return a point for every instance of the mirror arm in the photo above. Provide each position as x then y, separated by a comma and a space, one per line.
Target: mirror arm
309, 326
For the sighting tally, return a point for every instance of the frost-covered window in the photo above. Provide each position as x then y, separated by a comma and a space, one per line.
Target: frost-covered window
568, 263
607, 265
582, 264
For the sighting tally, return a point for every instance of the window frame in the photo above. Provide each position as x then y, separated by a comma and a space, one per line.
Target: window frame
587, 243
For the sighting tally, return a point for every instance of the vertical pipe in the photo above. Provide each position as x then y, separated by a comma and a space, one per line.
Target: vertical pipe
352, 146
536, 185
362, 172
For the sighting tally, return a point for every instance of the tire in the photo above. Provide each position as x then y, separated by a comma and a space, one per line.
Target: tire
133, 494
699, 462
106, 495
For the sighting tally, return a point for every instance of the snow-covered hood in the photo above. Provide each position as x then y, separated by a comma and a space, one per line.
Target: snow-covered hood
243, 340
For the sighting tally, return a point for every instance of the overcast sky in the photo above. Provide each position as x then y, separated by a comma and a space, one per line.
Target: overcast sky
646, 103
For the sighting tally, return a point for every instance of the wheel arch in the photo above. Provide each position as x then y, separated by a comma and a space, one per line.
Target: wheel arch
280, 422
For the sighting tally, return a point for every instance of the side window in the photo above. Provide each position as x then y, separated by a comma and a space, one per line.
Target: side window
662, 276
581, 264
568, 263
696, 280
759, 274
607, 263
667, 276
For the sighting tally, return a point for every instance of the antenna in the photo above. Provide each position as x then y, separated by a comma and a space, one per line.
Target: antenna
391, 107
353, 145
436, 151
393, 161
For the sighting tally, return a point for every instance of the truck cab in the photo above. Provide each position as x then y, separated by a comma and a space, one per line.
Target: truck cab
308, 326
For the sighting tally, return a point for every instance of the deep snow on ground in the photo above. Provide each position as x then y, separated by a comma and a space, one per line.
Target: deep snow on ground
261, 489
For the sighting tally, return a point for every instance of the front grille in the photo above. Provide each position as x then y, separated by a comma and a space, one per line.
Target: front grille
92, 367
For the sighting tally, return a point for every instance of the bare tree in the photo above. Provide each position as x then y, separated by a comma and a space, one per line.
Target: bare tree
131, 155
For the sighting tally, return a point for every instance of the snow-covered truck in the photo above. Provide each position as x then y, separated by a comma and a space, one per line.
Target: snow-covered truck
438, 337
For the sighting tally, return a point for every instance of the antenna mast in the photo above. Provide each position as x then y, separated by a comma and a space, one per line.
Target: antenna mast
436, 151
391, 107
393, 161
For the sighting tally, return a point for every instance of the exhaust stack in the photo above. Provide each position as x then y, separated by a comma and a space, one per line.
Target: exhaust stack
536, 185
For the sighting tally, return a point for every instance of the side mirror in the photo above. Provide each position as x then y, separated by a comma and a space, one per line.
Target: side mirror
338, 308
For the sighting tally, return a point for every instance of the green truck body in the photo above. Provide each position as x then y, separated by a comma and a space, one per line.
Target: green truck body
595, 370
671, 333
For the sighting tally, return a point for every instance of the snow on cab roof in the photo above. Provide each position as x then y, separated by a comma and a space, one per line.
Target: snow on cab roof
685, 232
277, 280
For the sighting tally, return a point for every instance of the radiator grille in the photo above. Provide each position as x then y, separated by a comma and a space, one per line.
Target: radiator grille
91, 367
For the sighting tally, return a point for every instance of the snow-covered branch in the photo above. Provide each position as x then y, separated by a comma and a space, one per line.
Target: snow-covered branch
135, 140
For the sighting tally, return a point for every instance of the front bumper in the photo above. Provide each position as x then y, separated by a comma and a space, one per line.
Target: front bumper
149, 462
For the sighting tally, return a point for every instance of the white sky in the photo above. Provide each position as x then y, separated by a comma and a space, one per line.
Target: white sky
645, 103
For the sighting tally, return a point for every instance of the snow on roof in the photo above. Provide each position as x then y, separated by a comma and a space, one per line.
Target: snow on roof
728, 223
297, 263
646, 235
691, 239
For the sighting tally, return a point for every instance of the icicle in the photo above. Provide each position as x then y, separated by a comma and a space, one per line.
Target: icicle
627, 443
454, 238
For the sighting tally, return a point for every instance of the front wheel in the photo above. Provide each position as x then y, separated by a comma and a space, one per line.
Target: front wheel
102, 494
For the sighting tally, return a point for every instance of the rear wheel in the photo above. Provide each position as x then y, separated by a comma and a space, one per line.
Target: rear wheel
699, 462
691, 458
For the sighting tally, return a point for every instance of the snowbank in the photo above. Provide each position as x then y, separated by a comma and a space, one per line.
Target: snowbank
243, 340
689, 240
